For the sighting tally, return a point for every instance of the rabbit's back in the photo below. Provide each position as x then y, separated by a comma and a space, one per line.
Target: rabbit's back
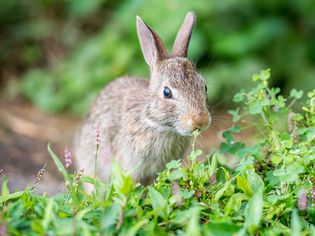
122, 96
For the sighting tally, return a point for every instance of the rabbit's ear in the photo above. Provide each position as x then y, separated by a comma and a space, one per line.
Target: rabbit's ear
152, 46
181, 44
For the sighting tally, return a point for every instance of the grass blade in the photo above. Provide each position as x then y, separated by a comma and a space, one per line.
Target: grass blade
58, 163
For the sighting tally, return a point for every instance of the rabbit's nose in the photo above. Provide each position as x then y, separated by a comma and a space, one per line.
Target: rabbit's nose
200, 121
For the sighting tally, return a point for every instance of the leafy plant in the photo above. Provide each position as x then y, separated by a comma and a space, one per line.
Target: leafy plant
270, 192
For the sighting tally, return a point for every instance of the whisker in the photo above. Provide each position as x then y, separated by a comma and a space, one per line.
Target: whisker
226, 117
215, 111
222, 122
215, 127
222, 101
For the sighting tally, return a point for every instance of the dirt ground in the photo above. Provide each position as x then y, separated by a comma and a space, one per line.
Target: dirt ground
25, 133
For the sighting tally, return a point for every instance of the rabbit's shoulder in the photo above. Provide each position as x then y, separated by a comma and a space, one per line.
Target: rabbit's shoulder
118, 91
123, 86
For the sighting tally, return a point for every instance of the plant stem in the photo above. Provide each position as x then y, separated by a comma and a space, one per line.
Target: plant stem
95, 160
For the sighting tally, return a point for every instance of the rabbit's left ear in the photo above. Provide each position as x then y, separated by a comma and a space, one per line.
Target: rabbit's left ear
151, 44
180, 47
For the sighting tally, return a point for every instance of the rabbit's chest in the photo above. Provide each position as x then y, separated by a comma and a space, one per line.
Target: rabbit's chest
156, 152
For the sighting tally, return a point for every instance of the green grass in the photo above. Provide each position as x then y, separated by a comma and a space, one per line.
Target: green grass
268, 193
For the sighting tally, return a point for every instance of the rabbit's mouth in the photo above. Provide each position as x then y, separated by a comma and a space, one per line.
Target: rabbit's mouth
181, 127
189, 124
183, 132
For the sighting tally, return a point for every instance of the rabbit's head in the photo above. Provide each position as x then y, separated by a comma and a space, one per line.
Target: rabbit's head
177, 93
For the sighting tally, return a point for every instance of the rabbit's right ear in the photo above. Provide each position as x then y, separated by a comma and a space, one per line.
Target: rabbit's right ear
152, 46
180, 47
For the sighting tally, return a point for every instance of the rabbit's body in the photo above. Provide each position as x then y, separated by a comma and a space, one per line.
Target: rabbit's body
146, 123
146, 149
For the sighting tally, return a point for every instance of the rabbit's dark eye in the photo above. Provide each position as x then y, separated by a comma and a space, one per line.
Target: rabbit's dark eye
206, 88
167, 92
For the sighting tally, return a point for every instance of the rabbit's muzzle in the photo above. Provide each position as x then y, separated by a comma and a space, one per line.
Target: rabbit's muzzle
193, 122
200, 121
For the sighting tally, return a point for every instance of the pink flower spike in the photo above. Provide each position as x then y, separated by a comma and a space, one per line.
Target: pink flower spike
97, 135
68, 158
302, 203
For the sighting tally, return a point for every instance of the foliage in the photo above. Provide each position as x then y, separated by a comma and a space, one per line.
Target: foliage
71, 49
270, 192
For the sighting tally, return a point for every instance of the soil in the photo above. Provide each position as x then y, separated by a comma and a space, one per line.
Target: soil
25, 133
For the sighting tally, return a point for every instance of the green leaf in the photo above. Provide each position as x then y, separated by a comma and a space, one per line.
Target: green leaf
255, 107
228, 133
213, 166
176, 174
296, 94
193, 226
158, 202
110, 217
122, 183
37, 227
136, 227
11, 196
187, 194
80, 214
174, 164
58, 163
254, 180
234, 203
253, 212
295, 223
235, 115
84, 228
194, 154
286, 140
238, 97
276, 159
245, 164
48, 217
4, 189
263, 75
220, 193
290, 173
222, 228
243, 185
273, 199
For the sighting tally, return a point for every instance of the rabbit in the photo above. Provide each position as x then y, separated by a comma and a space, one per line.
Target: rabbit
144, 124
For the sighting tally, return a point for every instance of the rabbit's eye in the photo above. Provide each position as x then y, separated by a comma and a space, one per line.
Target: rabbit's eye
167, 92
206, 88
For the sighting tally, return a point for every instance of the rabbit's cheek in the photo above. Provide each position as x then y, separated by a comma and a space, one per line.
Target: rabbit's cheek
184, 125
165, 111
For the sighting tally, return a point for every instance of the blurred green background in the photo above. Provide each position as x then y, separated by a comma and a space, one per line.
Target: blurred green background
58, 54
